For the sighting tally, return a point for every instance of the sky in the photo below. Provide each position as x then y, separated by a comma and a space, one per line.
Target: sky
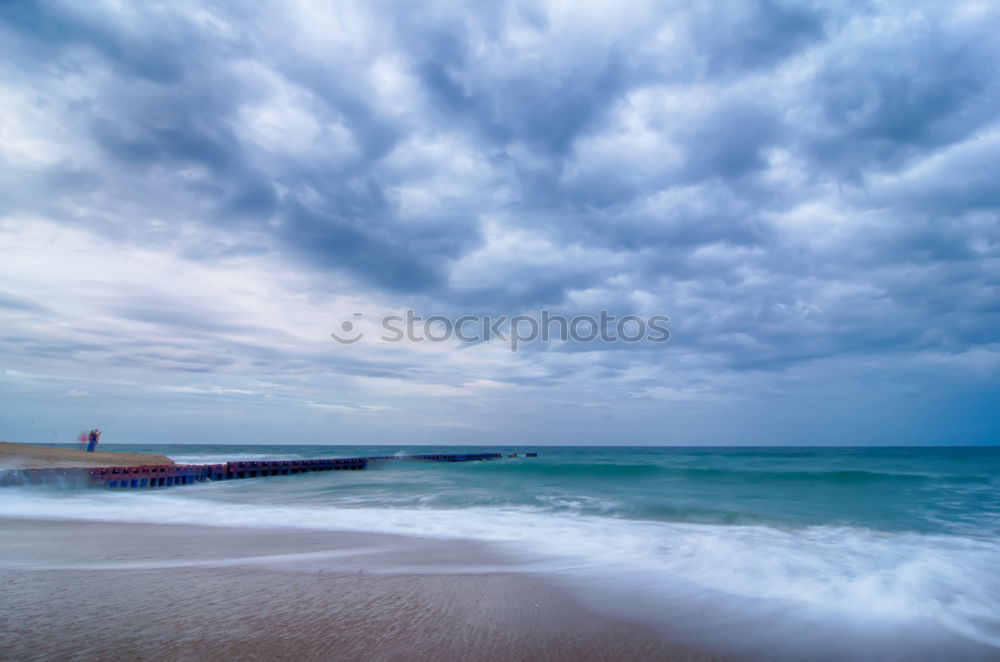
195, 195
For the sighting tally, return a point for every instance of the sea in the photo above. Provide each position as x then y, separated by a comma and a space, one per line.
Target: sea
867, 553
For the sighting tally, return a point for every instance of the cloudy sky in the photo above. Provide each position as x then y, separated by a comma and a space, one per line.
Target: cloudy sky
193, 196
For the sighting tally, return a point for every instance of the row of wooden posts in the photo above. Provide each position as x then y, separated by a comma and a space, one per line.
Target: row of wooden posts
168, 475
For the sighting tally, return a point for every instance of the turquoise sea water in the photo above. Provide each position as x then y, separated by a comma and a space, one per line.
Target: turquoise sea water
922, 490
887, 544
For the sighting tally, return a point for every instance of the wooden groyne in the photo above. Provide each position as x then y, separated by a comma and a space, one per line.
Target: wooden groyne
169, 475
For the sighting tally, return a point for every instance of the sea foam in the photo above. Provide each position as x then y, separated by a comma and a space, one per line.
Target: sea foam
828, 574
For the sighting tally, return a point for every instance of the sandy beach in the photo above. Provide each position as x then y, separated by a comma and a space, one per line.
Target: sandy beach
506, 560
29, 456
92, 591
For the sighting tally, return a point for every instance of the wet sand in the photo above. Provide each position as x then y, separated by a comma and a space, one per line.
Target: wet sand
29, 456
90, 591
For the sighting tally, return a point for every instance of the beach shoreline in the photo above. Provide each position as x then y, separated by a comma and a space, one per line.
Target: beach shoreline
31, 456
99, 590
570, 556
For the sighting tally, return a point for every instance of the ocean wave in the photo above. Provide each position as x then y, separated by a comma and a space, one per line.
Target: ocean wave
834, 571
616, 470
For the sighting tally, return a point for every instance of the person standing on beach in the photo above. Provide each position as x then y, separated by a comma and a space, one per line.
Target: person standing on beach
92, 439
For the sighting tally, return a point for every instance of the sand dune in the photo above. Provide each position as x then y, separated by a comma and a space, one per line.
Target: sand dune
29, 456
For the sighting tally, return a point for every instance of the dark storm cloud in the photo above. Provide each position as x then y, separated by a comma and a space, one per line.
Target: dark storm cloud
180, 113
49, 29
877, 121
545, 113
884, 101
339, 91
332, 238
754, 35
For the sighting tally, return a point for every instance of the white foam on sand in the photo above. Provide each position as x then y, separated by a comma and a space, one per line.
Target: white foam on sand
765, 581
